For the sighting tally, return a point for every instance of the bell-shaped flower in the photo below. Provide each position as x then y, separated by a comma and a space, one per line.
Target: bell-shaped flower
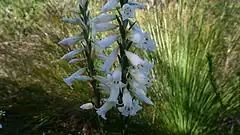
71, 54
87, 106
110, 60
142, 40
127, 11
71, 40
109, 6
103, 18
104, 109
76, 60
101, 27
106, 42
127, 108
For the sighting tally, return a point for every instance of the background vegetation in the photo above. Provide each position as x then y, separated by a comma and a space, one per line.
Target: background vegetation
197, 69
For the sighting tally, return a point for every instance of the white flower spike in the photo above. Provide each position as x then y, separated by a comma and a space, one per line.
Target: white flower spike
87, 106
109, 6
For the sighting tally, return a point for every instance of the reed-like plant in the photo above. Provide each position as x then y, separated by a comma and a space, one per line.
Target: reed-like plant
189, 96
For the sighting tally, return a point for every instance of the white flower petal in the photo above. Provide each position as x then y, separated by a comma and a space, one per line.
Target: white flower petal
110, 5
71, 40
115, 89
87, 106
133, 58
71, 54
82, 78
141, 95
76, 60
117, 74
103, 18
104, 109
1, 126
148, 45
106, 42
127, 11
136, 5
128, 105
136, 108
101, 27
110, 60
71, 78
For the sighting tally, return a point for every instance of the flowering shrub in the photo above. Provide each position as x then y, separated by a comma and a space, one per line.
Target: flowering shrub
123, 76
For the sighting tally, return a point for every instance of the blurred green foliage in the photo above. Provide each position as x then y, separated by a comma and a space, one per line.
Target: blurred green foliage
188, 92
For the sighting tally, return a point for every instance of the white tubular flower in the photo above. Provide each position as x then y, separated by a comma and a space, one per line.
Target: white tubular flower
101, 27
109, 6
102, 57
115, 89
133, 58
116, 85
68, 20
71, 40
104, 109
142, 40
139, 65
117, 75
76, 60
76, 76
87, 106
103, 18
136, 5
127, 109
141, 95
106, 42
1, 126
71, 54
110, 60
140, 78
127, 11
136, 108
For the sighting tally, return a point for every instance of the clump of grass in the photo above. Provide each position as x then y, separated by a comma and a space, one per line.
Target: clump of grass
189, 96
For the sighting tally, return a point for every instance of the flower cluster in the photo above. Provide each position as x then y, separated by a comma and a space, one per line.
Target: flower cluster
125, 76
